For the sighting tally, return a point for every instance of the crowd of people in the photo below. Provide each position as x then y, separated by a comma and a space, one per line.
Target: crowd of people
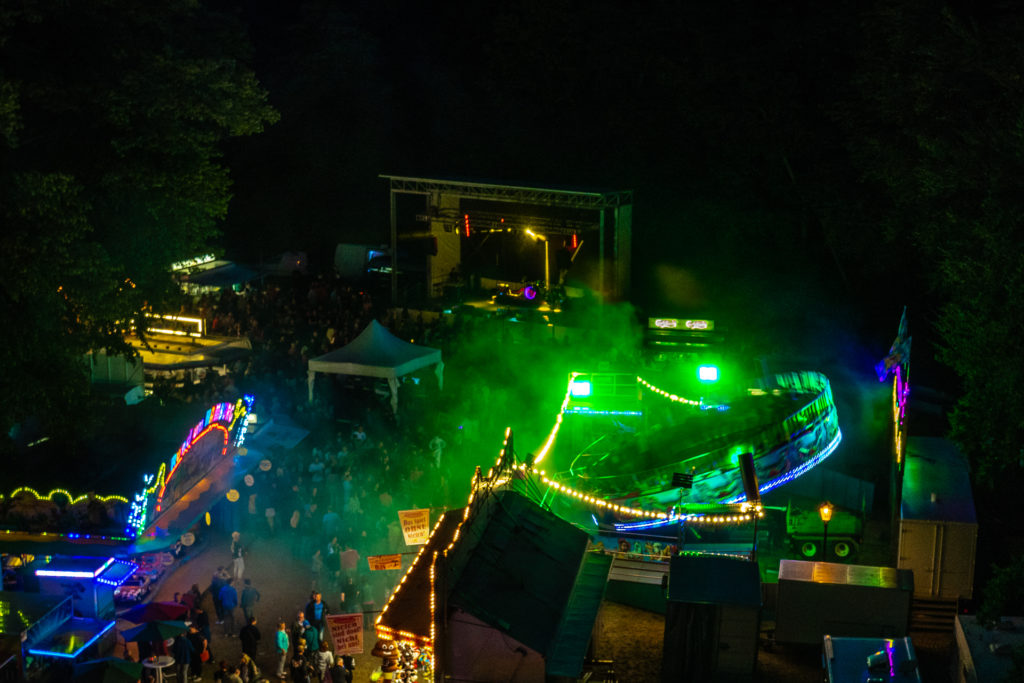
334, 498
301, 650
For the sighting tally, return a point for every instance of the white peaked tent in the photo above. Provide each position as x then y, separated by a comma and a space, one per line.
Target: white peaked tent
377, 353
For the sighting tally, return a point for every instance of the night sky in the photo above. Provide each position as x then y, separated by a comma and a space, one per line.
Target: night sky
728, 121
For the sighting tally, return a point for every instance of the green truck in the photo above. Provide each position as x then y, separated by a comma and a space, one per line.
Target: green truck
806, 532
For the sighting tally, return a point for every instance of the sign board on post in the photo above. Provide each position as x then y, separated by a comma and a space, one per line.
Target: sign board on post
346, 633
415, 526
378, 562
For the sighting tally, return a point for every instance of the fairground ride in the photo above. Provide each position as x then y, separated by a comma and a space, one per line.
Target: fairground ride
624, 453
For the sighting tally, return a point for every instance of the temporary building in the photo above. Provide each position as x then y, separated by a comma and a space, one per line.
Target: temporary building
508, 586
377, 353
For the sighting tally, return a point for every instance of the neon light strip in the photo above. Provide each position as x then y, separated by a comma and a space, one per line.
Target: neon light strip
888, 651
55, 534
433, 595
388, 632
118, 582
71, 499
180, 456
75, 574
692, 518
899, 406
65, 574
72, 655
542, 453
789, 476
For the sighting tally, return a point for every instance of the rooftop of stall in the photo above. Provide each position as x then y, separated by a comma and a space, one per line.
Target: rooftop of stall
72, 638
72, 567
90, 581
713, 580
27, 619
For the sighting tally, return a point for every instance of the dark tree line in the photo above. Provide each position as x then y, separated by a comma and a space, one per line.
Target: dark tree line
112, 114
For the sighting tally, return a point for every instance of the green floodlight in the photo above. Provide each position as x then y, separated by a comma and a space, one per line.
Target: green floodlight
580, 388
707, 373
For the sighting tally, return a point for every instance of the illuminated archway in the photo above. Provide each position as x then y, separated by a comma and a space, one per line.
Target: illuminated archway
222, 429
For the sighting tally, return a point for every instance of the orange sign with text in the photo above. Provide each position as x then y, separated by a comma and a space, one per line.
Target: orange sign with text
379, 562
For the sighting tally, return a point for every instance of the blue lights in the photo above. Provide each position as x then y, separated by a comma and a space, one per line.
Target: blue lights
120, 572
583, 410
650, 524
789, 476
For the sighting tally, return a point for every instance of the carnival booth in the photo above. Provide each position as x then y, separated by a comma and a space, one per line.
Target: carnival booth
90, 581
506, 584
38, 631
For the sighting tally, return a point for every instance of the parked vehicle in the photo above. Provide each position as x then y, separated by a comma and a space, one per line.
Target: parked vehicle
806, 532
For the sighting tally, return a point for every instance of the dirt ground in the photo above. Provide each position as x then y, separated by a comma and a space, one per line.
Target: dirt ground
632, 638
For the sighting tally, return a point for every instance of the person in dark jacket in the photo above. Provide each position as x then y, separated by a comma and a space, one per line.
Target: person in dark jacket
198, 646
250, 637
182, 651
250, 596
216, 584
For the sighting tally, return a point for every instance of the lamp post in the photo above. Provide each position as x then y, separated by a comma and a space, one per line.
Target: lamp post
547, 260
825, 511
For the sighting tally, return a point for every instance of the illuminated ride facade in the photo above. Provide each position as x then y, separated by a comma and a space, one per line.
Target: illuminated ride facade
168, 503
636, 440
626, 474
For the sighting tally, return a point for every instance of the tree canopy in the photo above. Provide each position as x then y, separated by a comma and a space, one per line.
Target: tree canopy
937, 125
112, 116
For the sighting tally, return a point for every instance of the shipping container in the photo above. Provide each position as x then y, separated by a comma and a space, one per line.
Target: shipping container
938, 525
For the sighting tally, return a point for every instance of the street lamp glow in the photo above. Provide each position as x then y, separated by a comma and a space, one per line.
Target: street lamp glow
825, 510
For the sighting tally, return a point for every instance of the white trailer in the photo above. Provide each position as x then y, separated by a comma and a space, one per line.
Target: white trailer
938, 525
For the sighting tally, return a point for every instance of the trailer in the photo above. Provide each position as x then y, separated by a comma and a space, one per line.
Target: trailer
938, 525
816, 599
